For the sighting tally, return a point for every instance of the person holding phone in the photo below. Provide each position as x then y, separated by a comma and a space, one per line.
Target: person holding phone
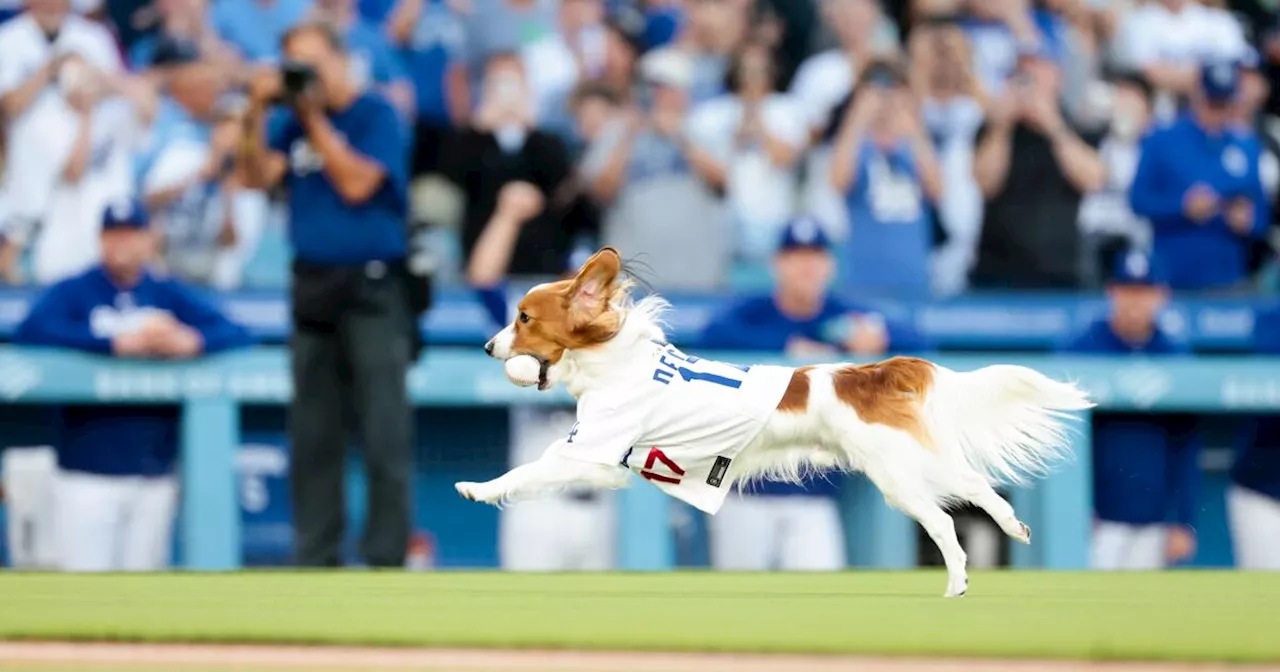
1033, 168
207, 221
884, 163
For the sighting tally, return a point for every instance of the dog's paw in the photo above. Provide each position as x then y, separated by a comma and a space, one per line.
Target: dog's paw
466, 489
477, 492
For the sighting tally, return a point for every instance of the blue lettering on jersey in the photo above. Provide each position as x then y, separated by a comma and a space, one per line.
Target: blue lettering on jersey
667, 368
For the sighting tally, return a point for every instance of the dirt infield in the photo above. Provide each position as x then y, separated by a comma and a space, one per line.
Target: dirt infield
145, 657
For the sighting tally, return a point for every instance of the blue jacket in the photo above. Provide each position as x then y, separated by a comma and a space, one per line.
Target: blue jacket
1174, 158
756, 324
85, 313
1145, 467
1257, 465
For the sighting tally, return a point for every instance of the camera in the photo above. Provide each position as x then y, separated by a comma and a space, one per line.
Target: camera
297, 79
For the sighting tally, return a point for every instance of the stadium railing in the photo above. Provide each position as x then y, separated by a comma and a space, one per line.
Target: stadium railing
211, 390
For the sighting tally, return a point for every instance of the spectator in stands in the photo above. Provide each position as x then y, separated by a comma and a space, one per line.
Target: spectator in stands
374, 63
502, 147
1146, 467
208, 222
555, 64
1198, 183
88, 134
431, 37
1167, 40
1033, 168
883, 161
494, 27
40, 123
116, 492
754, 137
342, 153
822, 83
783, 526
1253, 497
255, 27
826, 78
1106, 220
650, 180
942, 73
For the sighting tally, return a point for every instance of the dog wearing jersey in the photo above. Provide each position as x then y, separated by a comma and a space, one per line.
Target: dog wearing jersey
925, 435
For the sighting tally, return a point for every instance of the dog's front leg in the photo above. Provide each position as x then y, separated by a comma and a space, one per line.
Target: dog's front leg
547, 474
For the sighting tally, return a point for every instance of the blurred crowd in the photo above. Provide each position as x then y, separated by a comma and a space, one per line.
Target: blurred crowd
942, 145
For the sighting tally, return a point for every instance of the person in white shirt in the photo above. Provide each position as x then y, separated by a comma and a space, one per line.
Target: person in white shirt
756, 136
1167, 40
60, 76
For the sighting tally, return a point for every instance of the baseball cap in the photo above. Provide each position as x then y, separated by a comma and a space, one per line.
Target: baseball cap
129, 214
803, 233
1134, 267
1220, 80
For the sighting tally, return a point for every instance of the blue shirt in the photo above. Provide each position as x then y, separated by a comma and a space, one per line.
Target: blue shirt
84, 313
1257, 465
890, 230
756, 324
1177, 156
1145, 467
438, 41
255, 27
323, 228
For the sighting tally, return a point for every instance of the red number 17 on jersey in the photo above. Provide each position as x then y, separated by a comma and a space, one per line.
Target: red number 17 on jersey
655, 456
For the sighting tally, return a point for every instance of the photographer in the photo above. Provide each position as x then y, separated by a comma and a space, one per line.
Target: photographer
342, 153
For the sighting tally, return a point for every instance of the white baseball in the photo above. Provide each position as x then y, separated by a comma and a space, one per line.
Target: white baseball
523, 370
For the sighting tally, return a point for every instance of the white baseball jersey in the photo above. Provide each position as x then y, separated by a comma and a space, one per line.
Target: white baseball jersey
678, 421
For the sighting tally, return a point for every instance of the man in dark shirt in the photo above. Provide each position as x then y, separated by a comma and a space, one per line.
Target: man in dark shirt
343, 155
1032, 168
504, 146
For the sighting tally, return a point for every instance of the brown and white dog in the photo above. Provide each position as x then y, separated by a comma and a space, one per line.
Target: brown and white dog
925, 435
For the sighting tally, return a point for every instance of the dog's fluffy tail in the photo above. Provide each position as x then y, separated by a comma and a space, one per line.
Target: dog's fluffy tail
1008, 422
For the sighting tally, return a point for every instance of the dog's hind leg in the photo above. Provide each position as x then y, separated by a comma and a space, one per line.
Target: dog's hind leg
904, 486
975, 489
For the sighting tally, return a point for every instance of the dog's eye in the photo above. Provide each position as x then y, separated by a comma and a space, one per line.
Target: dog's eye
524, 317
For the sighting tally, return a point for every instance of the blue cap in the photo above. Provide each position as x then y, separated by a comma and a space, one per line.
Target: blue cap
1220, 80
128, 214
803, 233
1134, 267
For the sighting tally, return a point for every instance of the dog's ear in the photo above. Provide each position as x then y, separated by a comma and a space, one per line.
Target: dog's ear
592, 288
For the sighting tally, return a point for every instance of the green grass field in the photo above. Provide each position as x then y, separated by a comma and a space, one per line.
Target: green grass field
1159, 616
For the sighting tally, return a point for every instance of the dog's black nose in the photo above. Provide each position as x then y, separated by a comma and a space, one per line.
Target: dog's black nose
488, 348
